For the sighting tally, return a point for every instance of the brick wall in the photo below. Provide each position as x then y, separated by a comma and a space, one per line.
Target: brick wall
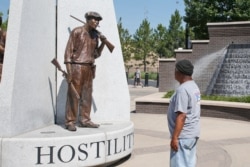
166, 81
153, 108
236, 113
206, 55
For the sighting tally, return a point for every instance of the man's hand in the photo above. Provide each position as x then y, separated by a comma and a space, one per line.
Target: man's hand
174, 144
179, 123
1, 49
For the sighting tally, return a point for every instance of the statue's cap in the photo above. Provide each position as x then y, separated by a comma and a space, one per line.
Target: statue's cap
93, 14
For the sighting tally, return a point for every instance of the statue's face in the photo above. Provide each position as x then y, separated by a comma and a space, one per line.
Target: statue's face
93, 22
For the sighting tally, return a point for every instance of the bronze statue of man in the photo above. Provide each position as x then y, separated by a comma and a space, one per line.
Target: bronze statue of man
81, 51
2, 47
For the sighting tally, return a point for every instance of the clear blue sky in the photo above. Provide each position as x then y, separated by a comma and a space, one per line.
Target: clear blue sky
132, 12
4, 6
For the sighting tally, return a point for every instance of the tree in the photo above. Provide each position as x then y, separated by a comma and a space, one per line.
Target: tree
176, 34
143, 42
167, 40
200, 12
126, 40
160, 37
4, 23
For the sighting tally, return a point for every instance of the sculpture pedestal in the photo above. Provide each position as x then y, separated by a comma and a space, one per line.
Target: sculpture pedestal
55, 146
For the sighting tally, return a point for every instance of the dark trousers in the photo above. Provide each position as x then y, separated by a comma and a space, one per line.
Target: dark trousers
82, 79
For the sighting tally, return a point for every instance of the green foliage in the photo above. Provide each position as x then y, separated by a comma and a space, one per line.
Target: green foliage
125, 39
242, 99
143, 42
167, 40
131, 75
200, 12
176, 34
4, 22
169, 94
151, 75
160, 37
4, 25
151, 43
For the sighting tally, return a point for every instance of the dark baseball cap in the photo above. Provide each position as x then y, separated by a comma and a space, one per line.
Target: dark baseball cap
185, 67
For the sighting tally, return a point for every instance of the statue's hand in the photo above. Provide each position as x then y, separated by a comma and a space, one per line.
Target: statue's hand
102, 37
69, 75
69, 78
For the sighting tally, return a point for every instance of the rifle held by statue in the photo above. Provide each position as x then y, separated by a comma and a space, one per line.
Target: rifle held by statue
56, 63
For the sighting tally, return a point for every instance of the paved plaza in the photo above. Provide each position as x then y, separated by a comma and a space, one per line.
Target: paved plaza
223, 142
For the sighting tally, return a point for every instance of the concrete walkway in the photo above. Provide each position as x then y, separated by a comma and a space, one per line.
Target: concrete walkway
223, 142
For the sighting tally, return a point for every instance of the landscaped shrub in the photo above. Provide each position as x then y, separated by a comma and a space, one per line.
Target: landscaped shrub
151, 75
243, 99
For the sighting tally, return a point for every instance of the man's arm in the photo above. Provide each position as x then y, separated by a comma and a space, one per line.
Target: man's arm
2, 42
67, 55
69, 77
100, 48
1, 49
179, 123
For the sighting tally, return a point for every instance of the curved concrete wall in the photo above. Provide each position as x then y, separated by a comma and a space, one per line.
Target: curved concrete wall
54, 146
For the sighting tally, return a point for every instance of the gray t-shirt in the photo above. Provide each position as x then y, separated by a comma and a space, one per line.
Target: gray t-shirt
186, 99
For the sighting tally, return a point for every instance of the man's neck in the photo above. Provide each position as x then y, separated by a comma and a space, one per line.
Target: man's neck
185, 79
87, 27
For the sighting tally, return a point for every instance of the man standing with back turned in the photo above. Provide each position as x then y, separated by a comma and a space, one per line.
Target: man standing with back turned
81, 51
184, 117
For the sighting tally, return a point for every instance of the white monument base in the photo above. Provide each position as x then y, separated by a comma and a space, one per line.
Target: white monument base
54, 146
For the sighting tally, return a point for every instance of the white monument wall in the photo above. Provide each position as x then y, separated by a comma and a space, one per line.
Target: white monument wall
27, 88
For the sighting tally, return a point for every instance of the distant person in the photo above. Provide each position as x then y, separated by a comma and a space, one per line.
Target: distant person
137, 78
81, 51
2, 47
184, 117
